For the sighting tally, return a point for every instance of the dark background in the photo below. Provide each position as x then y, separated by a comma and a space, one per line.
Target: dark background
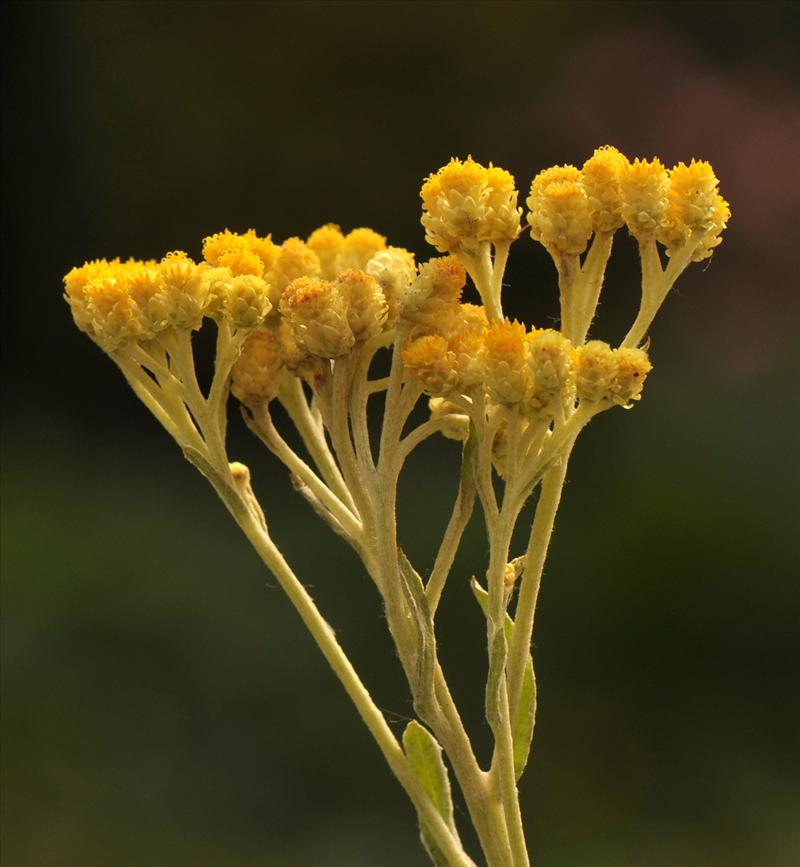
162, 704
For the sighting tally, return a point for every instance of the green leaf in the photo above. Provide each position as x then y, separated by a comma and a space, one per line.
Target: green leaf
425, 755
497, 671
523, 719
425, 649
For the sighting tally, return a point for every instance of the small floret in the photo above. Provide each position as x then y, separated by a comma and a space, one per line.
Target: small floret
645, 188
256, 374
317, 312
600, 177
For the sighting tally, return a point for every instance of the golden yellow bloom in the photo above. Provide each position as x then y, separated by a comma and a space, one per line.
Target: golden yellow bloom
472, 317
466, 347
691, 204
246, 303
551, 358
632, 367
75, 283
360, 246
596, 371
465, 204
317, 313
243, 254
560, 216
295, 259
712, 238
645, 188
433, 298
328, 243
394, 269
600, 178
256, 374
366, 307
110, 308
153, 307
505, 363
185, 291
431, 362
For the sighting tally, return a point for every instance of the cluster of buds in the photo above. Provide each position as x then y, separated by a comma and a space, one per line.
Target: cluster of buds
568, 205
300, 305
538, 371
465, 204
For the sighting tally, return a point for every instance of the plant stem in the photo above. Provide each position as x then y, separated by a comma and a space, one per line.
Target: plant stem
334, 654
541, 532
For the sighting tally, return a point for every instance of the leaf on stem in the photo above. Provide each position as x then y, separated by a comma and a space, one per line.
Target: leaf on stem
522, 719
425, 756
418, 603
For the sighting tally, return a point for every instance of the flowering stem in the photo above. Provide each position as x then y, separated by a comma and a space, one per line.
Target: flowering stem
535, 556
342, 667
313, 435
590, 281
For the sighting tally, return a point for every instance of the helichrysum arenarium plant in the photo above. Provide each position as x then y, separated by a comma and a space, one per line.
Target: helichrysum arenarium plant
301, 322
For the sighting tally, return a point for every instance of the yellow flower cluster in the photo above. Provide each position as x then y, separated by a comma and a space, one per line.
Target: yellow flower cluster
116, 301
461, 355
242, 280
465, 203
335, 292
567, 205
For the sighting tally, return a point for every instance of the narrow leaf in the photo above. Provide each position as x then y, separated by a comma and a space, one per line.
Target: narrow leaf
426, 645
523, 719
497, 670
425, 755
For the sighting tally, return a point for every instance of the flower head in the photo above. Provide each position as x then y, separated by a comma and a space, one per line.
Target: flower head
465, 204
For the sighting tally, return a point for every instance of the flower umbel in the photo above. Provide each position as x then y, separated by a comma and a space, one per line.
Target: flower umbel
298, 327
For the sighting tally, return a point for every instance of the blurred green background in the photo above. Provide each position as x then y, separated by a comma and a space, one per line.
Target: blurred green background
162, 704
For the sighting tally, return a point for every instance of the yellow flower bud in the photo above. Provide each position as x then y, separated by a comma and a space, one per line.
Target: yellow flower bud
366, 306
473, 318
465, 203
246, 303
185, 291
551, 358
632, 367
328, 243
691, 204
317, 313
360, 246
394, 269
243, 254
596, 370
466, 347
560, 216
75, 283
502, 212
295, 259
455, 424
712, 238
505, 363
218, 281
645, 187
256, 374
433, 298
152, 305
431, 362
111, 309
600, 178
